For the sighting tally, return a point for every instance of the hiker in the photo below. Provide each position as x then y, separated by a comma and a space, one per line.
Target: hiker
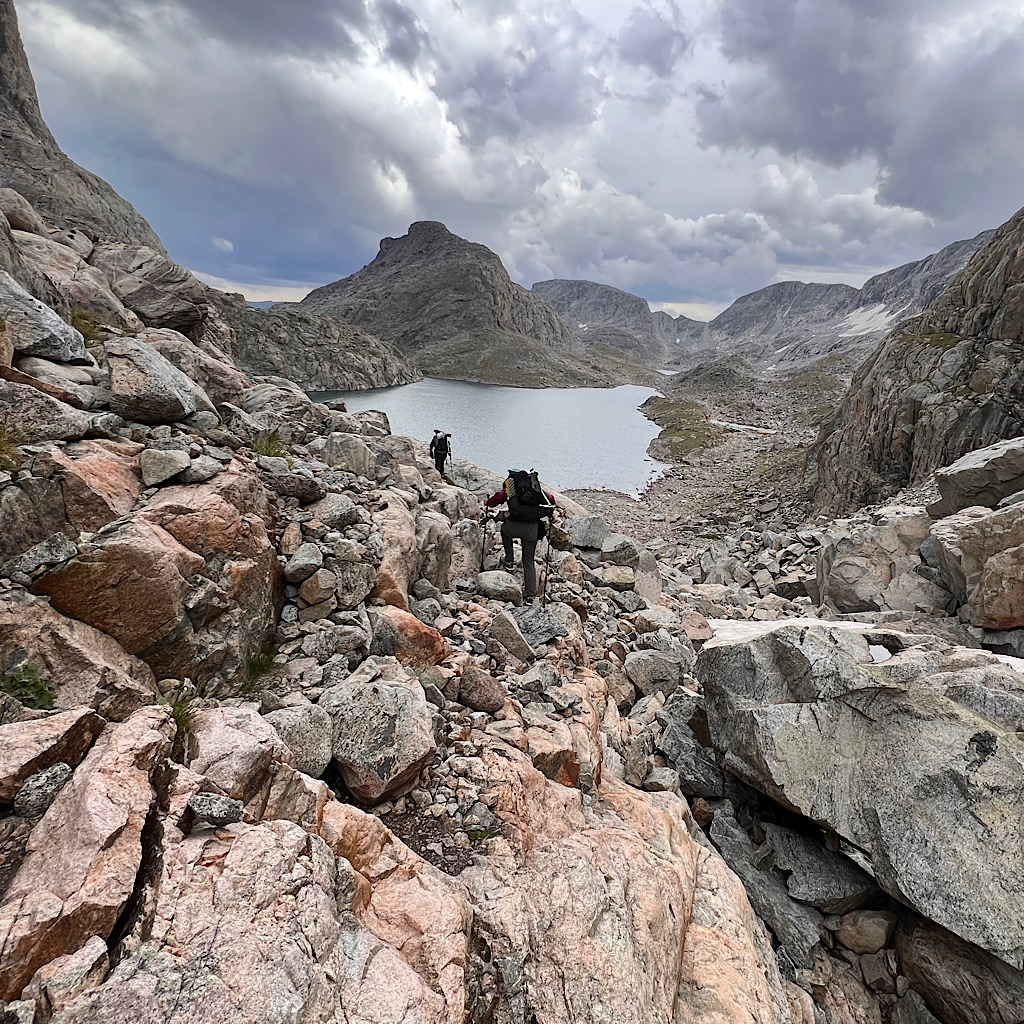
439, 449
528, 506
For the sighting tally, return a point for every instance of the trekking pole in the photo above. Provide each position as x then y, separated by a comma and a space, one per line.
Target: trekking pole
483, 540
547, 573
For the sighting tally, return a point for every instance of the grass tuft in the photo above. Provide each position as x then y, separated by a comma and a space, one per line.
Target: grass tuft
259, 664
183, 711
27, 686
271, 443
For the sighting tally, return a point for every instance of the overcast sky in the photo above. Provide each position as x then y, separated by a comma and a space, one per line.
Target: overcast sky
686, 150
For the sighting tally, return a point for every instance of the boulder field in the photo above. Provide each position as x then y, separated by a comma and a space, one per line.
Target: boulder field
281, 741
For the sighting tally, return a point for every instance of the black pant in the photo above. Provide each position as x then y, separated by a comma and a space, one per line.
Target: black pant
439, 460
527, 534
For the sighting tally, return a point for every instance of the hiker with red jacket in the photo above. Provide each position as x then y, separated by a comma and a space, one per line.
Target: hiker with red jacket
528, 506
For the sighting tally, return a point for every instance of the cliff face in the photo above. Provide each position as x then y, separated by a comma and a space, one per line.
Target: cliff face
790, 323
450, 306
605, 315
33, 164
939, 386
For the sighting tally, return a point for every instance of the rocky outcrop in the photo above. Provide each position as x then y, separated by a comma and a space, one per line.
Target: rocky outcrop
450, 307
938, 387
982, 552
146, 387
982, 477
36, 329
791, 322
320, 353
874, 562
934, 734
69, 489
85, 666
84, 291
82, 859
383, 734
162, 293
32, 163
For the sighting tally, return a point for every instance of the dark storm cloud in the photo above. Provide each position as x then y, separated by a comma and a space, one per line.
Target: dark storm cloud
307, 26
548, 82
841, 80
653, 40
407, 39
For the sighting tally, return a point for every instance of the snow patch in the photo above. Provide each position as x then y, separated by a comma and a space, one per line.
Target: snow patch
742, 426
868, 320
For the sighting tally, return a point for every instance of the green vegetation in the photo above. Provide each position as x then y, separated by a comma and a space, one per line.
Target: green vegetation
10, 457
89, 327
820, 413
271, 443
940, 341
26, 685
183, 711
684, 427
257, 665
943, 341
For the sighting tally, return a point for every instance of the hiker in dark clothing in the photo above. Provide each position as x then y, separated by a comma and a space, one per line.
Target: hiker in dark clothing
439, 449
528, 506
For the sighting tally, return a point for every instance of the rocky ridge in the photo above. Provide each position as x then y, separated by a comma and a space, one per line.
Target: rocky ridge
319, 353
334, 767
792, 323
71, 299
938, 386
451, 308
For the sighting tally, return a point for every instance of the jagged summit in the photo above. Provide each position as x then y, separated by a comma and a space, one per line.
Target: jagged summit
793, 322
450, 305
33, 164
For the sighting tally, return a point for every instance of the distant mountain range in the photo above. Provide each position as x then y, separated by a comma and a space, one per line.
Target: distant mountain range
785, 324
790, 323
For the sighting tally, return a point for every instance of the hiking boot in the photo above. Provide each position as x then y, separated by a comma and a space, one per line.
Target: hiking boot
507, 563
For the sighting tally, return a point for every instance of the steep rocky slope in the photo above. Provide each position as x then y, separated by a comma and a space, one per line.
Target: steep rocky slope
450, 306
939, 385
33, 164
791, 323
319, 353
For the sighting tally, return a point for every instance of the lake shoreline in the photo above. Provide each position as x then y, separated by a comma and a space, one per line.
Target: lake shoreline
574, 437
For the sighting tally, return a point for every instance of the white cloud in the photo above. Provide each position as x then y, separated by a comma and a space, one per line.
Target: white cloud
694, 310
563, 135
279, 291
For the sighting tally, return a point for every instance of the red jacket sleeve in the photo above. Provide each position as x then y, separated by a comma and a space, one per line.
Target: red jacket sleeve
496, 499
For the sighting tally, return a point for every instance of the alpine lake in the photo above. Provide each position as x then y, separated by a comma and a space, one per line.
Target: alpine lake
574, 437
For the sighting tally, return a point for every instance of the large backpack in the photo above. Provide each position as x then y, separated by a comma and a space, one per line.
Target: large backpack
527, 502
